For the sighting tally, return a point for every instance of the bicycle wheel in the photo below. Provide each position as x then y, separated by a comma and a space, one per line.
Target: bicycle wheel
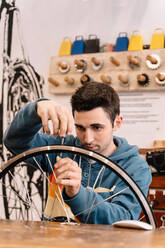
26, 202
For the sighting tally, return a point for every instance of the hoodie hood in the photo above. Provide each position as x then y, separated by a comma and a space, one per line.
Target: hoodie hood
124, 150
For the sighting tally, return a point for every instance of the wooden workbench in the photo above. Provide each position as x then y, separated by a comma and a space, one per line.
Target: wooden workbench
15, 234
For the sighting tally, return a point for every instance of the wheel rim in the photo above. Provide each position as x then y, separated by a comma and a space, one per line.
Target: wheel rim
92, 155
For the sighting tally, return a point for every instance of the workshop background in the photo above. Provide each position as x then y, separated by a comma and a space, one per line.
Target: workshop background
45, 24
31, 65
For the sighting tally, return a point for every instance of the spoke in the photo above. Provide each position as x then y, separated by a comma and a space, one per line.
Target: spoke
20, 190
87, 193
104, 200
25, 186
13, 198
92, 205
31, 204
103, 168
14, 189
62, 204
45, 176
62, 199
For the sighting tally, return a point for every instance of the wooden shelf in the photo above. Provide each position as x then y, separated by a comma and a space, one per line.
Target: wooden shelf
108, 69
143, 151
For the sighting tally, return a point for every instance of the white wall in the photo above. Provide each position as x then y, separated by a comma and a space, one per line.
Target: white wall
46, 22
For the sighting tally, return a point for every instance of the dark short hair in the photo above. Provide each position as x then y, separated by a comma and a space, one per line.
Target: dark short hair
96, 94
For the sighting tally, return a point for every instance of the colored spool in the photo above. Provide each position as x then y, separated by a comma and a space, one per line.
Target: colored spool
143, 79
160, 78
80, 65
153, 61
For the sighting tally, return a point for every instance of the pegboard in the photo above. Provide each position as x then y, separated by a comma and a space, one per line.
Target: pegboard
142, 70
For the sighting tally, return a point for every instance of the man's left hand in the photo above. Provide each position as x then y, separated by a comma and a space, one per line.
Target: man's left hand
68, 174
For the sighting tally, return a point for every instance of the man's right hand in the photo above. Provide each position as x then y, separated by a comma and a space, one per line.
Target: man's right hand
62, 120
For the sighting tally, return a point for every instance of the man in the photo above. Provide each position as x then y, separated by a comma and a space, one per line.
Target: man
96, 112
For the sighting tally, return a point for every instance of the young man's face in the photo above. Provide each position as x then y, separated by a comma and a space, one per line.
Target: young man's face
94, 130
